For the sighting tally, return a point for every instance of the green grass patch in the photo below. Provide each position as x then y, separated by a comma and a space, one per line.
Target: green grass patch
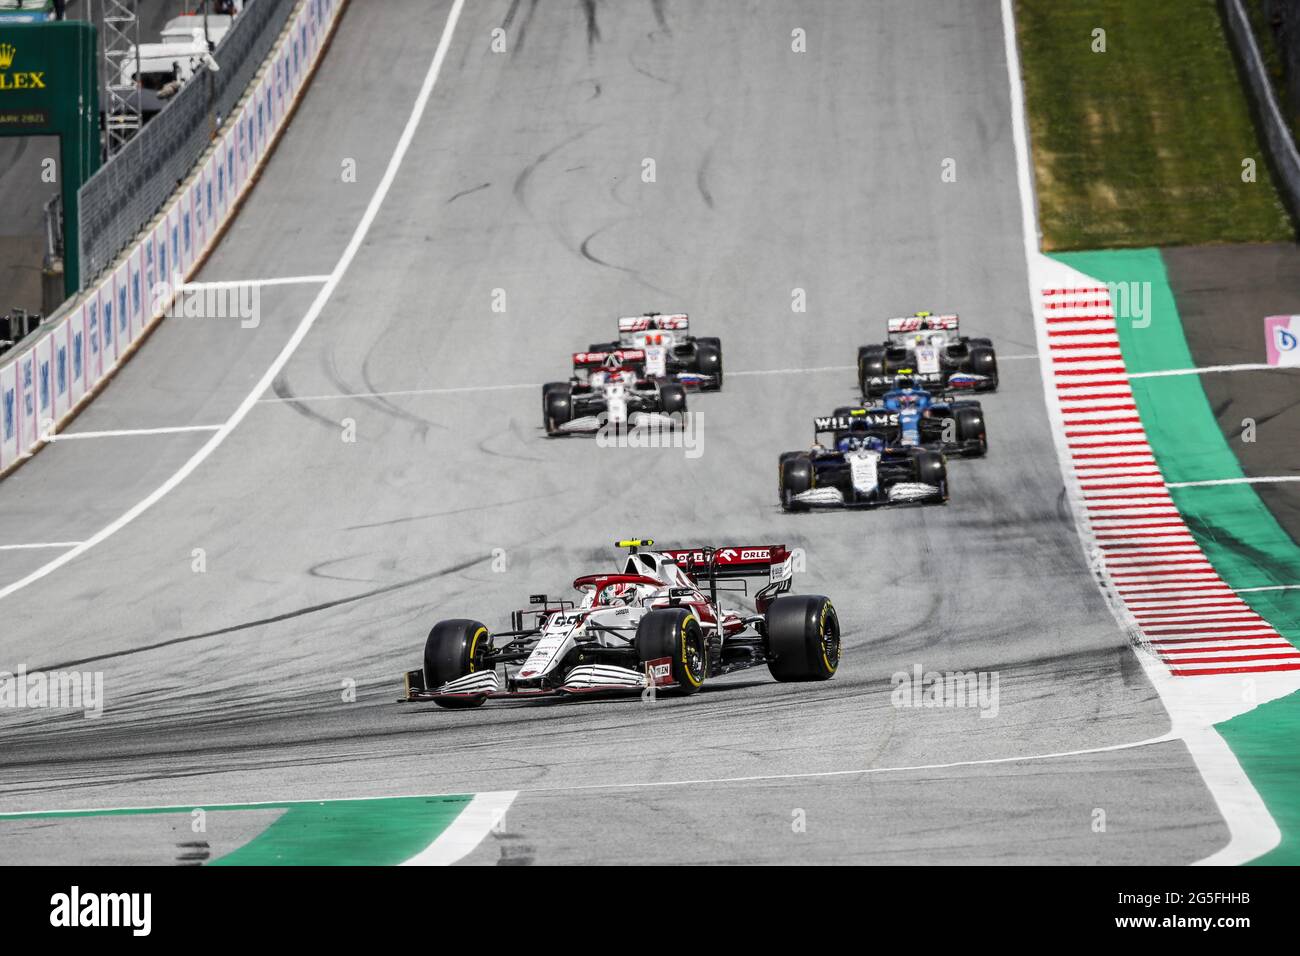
1141, 145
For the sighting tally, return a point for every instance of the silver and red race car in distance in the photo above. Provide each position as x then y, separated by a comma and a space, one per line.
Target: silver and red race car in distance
610, 389
671, 351
654, 623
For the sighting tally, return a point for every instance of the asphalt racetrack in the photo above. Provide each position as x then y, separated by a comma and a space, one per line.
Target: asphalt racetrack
325, 560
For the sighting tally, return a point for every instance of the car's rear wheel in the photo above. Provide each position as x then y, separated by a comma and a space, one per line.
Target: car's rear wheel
971, 428
453, 649
802, 634
672, 637
871, 363
708, 360
984, 361
795, 476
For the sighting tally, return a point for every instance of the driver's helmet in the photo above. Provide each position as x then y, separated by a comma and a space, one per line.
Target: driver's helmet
617, 594
856, 442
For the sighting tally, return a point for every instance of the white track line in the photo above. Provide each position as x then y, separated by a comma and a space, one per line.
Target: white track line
308, 320
131, 432
397, 393
657, 784
246, 283
1252, 831
480, 816
1231, 481
469, 389
1209, 369
1271, 587
39, 545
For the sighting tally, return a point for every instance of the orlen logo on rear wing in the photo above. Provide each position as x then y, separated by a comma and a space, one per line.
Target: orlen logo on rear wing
596, 359
923, 323
735, 561
678, 322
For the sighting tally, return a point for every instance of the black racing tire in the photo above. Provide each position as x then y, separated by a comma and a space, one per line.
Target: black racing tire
453, 649
795, 474
984, 361
932, 469
557, 406
972, 342
871, 362
708, 360
675, 633
802, 634
672, 399
971, 428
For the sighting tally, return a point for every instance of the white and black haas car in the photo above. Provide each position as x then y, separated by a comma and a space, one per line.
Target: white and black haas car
656, 622
671, 352
928, 349
859, 468
610, 389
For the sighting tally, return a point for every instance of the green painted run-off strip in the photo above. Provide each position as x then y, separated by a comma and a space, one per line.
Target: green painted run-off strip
1238, 534
379, 832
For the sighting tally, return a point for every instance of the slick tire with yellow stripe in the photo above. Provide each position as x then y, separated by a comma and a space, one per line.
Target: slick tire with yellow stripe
675, 633
803, 638
453, 649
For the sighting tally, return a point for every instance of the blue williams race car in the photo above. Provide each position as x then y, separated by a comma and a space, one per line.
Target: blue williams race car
911, 416
858, 468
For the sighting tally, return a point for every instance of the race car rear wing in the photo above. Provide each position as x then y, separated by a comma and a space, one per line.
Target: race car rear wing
771, 561
923, 322
677, 322
862, 418
626, 357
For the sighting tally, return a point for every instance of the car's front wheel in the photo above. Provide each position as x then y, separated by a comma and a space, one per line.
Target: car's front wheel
453, 649
670, 642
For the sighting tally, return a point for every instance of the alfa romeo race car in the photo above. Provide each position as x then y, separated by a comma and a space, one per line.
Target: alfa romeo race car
928, 349
656, 622
670, 351
859, 469
610, 389
911, 416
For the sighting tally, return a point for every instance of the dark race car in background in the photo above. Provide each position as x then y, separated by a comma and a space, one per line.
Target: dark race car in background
671, 352
910, 416
858, 469
610, 389
656, 622
928, 349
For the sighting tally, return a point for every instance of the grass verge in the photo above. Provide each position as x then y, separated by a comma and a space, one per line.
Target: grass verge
1139, 134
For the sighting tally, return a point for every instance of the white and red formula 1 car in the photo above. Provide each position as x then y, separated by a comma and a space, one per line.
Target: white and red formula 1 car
671, 352
656, 622
610, 389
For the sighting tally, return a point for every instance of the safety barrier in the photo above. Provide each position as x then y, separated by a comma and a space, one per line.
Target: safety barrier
127, 191
45, 383
1277, 136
